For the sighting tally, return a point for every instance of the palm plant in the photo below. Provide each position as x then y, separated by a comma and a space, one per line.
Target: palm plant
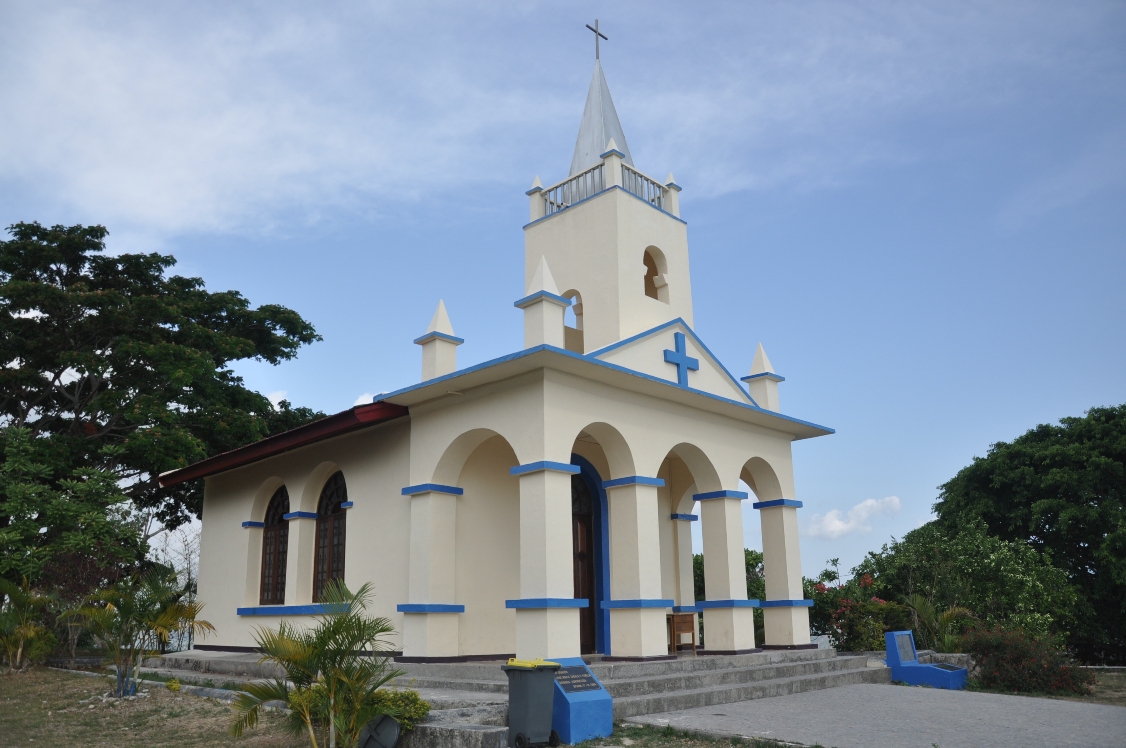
134, 616
19, 618
937, 628
332, 671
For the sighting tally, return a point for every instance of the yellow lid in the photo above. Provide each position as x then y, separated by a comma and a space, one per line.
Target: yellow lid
538, 662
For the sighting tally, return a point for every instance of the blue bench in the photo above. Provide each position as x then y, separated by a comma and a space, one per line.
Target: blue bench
903, 660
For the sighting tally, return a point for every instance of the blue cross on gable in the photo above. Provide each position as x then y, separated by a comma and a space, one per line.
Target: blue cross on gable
681, 360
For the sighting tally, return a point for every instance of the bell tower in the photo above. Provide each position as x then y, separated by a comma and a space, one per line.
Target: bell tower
611, 234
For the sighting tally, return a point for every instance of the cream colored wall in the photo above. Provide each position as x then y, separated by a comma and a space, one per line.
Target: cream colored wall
488, 550
598, 248
374, 462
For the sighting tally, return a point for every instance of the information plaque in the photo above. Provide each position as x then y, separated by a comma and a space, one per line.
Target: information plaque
576, 678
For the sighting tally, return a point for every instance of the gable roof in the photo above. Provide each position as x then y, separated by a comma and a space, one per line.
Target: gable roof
643, 352
353, 419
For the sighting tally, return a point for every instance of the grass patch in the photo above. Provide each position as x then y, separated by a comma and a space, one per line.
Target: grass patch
1109, 688
55, 708
645, 736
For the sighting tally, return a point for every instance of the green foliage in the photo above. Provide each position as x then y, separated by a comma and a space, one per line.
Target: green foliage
331, 687
135, 616
1017, 662
852, 617
101, 350
407, 706
76, 533
19, 621
1061, 489
1002, 582
937, 628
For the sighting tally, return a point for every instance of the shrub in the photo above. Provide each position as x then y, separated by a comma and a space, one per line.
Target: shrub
173, 684
1015, 661
406, 705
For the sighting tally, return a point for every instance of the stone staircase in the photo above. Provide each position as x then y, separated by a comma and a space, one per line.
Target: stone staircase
470, 700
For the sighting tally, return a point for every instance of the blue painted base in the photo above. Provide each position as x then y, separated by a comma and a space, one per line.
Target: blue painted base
903, 659
581, 715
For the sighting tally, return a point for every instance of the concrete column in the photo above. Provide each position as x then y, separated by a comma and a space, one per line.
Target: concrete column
253, 591
430, 623
672, 196
547, 619
299, 566
785, 612
637, 611
612, 165
685, 578
729, 624
537, 206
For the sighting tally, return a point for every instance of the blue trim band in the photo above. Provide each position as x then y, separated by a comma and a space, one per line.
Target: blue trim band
617, 153
674, 186
728, 604
300, 515
429, 608
741, 495
432, 488
552, 297
776, 502
282, 610
765, 375
253, 524
439, 336
787, 603
538, 603
347, 504
634, 480
534, 190
589, 358
535, 467
686, 609
685, 517
631, 604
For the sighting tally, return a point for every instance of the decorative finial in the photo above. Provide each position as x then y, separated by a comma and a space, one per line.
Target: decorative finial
597, 34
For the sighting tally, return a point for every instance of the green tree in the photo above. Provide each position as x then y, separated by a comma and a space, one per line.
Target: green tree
79, 534
135, 616
19, 619
331, 686
1061, 489
1001, 582
104, 350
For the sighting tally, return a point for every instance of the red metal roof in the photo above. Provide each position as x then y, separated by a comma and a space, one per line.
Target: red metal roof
358, 417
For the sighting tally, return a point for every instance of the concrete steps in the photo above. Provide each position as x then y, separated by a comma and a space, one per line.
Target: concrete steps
469, 701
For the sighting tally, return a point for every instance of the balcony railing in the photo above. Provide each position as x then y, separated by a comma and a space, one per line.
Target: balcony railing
638, 184
580, 187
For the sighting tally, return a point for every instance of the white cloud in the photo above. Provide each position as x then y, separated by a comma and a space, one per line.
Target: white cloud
160, 119
835, 525
276, 397
364, 399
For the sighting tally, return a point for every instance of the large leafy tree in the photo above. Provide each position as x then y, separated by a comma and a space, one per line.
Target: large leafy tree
1062, 489
104, 351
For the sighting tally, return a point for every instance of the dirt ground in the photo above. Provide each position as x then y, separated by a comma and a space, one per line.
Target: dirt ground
52, 708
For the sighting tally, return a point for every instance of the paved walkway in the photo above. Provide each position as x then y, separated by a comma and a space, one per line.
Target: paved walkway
885, 716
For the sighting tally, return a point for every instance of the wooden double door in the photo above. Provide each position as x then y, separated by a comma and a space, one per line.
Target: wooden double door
584, 542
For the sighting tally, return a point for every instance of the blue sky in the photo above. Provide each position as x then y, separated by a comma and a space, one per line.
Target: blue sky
917, 207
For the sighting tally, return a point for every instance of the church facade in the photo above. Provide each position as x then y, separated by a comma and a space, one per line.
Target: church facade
539, 504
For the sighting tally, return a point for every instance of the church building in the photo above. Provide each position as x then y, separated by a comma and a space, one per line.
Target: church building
539, 504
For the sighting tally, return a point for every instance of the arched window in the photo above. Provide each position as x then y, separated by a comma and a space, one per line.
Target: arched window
329, 556
573, 323
275, 549
656, 287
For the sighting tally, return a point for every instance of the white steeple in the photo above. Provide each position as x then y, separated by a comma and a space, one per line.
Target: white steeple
763, 382
542, 280
439, 345
600, 125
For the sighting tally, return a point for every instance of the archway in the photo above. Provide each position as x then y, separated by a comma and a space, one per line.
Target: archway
601, 453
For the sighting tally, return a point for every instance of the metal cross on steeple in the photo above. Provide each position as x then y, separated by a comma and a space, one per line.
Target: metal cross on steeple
597, 34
